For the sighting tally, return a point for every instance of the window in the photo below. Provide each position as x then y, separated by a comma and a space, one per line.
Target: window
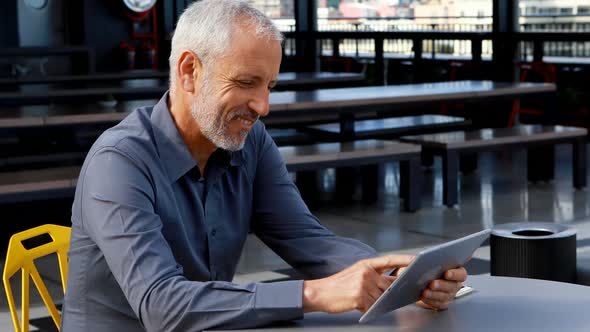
529, 10
405, 15
548, 10
556, 16
544, 16
566, 11
282, 12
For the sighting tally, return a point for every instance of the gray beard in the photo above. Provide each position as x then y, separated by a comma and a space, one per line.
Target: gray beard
209, 117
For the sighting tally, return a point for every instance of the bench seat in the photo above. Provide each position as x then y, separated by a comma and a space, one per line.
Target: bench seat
32, 185
390, 127
41, 160
284, 137
365, 153
356, 153
450, 145
57, 182
17, 157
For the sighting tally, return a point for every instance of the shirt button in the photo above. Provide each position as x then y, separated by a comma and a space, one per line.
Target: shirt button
213, 232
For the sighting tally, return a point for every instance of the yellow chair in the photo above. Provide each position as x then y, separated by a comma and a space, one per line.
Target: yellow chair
19, 258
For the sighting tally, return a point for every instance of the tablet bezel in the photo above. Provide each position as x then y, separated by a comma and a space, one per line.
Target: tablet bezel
427, 266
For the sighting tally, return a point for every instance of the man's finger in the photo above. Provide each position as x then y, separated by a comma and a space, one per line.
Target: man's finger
444, 286
431, 295
383, 282
374, 293
434, 304
425, 305
368, 301
384, 263
400, 271
458, 274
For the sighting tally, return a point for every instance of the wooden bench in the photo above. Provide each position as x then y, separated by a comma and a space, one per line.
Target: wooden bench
14, 156
450, 145
361, 153
283, 137
389, 127
33, 185
58, 182
42, 160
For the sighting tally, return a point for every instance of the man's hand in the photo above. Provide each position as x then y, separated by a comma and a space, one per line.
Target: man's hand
355, 288
439, 293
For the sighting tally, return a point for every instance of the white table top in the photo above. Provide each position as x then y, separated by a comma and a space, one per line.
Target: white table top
499, 304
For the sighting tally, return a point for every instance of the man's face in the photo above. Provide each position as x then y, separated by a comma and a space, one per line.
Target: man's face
235, 89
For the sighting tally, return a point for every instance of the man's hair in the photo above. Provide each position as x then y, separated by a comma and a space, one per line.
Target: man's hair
205, 27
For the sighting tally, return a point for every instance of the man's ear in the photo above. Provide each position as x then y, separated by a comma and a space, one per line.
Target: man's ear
189, 69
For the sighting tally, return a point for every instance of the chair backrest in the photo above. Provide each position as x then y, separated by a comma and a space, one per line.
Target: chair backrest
461, 70
546, 72
20, 258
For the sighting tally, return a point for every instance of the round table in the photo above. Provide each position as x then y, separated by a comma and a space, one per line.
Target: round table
498, 304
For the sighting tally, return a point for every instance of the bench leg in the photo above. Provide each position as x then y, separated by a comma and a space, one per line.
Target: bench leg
427, 159
345, 184
450, 161
403, 179
541, 163
370, 183
579, 161
468, 163
307, 184
410, 183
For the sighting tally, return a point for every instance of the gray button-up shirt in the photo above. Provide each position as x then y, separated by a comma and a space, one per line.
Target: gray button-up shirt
155, 245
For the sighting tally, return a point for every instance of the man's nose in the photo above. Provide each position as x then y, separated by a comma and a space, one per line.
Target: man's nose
259, 103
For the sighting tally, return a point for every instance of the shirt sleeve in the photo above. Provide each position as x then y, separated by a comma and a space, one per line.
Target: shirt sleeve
283, 221
118, 202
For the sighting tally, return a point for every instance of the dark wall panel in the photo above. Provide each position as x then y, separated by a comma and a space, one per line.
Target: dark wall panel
8, 23
105, 26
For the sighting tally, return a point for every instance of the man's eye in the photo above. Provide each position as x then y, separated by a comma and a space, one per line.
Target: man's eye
246, 83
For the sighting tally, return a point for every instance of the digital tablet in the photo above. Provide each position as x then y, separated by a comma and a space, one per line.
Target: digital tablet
428, 265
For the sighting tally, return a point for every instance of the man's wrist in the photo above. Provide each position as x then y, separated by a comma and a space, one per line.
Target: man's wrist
309, 296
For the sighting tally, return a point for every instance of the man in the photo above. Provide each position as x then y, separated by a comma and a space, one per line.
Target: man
166, 198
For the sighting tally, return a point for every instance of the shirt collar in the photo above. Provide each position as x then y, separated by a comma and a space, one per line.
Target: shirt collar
173, 152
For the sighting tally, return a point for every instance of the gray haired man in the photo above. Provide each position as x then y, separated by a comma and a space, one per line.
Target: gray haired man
166, 198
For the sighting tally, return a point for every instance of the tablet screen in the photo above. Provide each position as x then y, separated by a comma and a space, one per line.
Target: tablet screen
429, 265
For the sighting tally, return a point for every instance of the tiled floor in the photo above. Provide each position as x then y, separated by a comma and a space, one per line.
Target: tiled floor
497, 193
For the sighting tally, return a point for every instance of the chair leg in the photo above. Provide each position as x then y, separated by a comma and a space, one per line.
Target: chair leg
450, 161
579, 163
512, 118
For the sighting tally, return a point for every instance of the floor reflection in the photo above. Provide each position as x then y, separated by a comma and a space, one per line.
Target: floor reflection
497, 192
